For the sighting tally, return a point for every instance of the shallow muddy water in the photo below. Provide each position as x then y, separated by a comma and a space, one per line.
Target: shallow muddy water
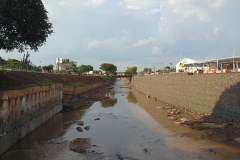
130, 127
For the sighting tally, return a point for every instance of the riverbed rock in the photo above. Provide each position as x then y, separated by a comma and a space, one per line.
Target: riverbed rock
68, 123
81, 123
183, 120
80, 145
177, 122
212, 125
237, 139
87, 127
79, 129
145, 150
173, 117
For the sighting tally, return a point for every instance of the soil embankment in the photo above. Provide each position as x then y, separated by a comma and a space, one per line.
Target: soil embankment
95, 89
13, 79
73, 101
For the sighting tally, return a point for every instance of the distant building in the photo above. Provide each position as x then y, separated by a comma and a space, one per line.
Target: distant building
60, 66
220, 65
181, 65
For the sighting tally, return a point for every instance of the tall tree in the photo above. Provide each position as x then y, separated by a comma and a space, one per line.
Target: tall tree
147, 70
131, 71
23, 24
109, 68
49, 67
13, 63
85, 68
2, 61
71, 65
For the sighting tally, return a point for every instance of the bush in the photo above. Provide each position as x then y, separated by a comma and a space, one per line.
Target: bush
105, 78
180, 70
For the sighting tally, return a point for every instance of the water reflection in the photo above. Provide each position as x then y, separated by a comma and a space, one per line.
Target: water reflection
110, 102
131, 98
111, 94
106, 103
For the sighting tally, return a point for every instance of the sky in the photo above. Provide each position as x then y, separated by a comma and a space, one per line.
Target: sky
142, 33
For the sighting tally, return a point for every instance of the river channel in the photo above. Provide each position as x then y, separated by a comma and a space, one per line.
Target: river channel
131, 127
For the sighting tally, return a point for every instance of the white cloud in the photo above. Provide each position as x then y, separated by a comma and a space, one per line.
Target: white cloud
98, 2
217, 3
156, 50
133, 7
143, 42
81, 2
107, 43
155, 10
215, 31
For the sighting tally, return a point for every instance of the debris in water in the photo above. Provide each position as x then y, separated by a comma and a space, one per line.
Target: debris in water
80, 123
79, 129
211, 150
87, 127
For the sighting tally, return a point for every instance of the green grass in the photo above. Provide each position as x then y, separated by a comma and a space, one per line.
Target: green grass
79, 84
105, 78
45, 82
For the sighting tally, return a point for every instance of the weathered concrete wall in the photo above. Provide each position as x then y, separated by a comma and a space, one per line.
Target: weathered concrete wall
217, 95
22, 111
71, 93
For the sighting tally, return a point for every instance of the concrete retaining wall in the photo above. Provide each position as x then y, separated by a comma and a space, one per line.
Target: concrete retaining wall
70, 93
22, 111
217, 95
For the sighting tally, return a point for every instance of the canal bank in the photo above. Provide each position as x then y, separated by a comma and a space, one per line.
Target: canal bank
213, 95
24, 110
127, 129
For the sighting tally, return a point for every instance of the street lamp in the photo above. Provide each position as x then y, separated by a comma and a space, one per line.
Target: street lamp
233, 57
180, 56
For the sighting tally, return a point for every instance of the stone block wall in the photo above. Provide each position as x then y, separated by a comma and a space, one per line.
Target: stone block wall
217, 95
22, 111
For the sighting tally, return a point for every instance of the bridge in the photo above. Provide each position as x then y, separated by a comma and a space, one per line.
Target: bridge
126, 78
119, 76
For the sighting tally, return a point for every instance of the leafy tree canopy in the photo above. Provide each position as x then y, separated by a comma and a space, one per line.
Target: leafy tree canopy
131, 71
147, 70
109, 68
49, 67
167, 67
85, 68
2, 61
71, 65
24, 24
12, 63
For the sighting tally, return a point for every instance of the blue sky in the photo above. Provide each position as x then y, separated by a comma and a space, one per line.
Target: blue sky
142, 33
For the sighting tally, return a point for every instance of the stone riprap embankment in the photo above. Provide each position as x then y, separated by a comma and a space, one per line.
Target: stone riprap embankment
216, 95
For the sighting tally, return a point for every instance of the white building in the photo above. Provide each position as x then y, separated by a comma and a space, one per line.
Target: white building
59, 65
181, 65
